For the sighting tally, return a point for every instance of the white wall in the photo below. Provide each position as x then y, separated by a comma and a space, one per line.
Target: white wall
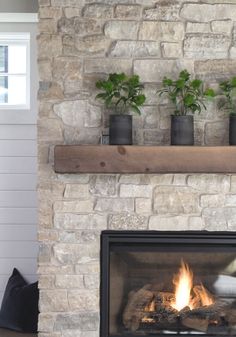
18, 167
18, 6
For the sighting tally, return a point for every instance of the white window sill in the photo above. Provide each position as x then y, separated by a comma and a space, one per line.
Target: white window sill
19, 17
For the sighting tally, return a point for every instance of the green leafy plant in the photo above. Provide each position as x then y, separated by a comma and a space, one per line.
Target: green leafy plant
186, 94
229, 91
122, 92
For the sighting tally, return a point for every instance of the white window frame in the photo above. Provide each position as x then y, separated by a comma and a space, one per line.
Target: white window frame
19, 39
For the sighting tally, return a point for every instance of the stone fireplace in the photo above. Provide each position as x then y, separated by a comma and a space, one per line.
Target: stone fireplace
79, 42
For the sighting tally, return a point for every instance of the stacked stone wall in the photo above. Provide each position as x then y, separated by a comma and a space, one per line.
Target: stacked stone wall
79, 42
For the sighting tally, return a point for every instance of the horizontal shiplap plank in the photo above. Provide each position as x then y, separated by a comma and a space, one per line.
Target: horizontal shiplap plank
18, 216
13, 232
18, 117
18, 199
18, 165
18, 182
25, 266
18, 148
24, 249
18, 132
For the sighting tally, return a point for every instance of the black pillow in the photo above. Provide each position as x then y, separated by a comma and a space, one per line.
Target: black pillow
19, 310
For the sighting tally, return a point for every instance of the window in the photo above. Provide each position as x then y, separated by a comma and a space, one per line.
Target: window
14, 71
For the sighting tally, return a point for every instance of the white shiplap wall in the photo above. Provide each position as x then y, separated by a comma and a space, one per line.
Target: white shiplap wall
18, 179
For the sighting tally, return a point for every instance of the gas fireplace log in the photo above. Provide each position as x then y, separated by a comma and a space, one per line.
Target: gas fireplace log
196, 323
151, 308
135, 308
206, 312
200, 318
163, 297
230, 314
162, 315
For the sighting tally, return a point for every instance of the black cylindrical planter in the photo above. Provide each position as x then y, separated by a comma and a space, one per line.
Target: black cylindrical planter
232, 130
182, 130
120, 130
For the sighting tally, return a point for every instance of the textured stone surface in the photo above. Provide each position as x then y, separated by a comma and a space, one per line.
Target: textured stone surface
127, 222
233, 184
195, 27
211, 183
83, 300
73, 206
122, 30
93, 44
80, 221
143, 206
53, 300
164, 11
206, 46
71, 12
134, 179
69, 281
98, 11
211, 200
46, 322
76, 191
219, 218
103, 185
168, 223
135, 49
175, 200
77, 111
76, 25
222, 26
83, 321
217, 133
114, 205
80, 42
107, 66
128, 11
161, 31
66, 253
69, 71
49, 45
171, 50
208, 12
154, 70
92, 281
136, 191
219, 68
150, 117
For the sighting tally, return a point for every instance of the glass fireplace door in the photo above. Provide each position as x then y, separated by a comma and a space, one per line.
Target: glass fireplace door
161, 285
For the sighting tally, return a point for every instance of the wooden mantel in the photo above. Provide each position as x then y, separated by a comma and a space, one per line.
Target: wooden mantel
144, 159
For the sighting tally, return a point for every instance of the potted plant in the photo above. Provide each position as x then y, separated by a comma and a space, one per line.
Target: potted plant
229, 91
123, 94
187, 95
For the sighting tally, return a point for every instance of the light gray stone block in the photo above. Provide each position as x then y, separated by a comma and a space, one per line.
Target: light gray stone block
114, 205
121, 30
80, 221
175, 200
127, 222
82, 321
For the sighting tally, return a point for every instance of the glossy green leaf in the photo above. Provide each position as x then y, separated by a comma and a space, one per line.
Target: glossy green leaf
121, 91
196, 84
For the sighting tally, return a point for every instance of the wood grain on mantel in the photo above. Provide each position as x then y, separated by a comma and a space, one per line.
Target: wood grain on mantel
144, 159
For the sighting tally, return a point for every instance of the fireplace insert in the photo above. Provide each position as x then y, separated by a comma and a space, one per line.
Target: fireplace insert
156, 284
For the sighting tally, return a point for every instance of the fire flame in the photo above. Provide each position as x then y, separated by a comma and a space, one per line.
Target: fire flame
185, 294
150, 307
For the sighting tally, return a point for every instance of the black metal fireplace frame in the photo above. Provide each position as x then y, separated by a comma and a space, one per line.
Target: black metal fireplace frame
212, 239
